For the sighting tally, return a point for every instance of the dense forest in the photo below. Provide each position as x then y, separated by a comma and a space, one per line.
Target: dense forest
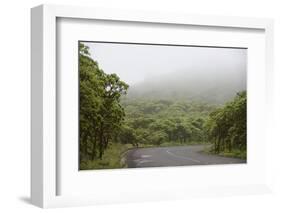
226, 127
111, 121
100, 113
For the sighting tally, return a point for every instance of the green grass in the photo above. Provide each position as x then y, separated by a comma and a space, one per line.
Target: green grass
235, 153
111, 159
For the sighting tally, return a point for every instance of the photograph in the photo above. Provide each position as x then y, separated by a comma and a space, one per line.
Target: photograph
147, 105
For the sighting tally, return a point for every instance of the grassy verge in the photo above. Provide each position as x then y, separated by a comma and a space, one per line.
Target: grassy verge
233, 154
111, 158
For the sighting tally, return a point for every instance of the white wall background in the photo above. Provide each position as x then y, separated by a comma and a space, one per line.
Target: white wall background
15, 104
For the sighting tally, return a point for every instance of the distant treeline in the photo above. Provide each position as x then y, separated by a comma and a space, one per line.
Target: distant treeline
162, 121
107, 116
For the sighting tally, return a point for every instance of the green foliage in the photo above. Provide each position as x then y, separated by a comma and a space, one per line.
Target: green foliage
227, 126
155, 122
100, 111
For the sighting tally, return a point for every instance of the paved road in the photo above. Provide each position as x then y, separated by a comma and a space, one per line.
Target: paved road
174, 156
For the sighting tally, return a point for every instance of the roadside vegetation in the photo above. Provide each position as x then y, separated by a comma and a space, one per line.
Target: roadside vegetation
111, 122
111, 159
227, 128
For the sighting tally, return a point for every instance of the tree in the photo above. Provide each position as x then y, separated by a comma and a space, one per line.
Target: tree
158, 137
227, 126
101, 113
127, 135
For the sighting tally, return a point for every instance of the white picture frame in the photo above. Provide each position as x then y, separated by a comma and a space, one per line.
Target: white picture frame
44, 149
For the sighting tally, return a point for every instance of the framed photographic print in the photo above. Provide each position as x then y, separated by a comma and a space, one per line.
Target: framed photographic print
149, 106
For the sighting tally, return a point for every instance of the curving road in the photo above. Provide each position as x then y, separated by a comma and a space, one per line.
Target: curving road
174, 156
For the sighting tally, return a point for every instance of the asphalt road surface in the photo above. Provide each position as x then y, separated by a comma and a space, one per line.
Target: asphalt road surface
174, 156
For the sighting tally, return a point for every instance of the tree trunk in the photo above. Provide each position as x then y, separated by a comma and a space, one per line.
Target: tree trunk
106, 142
85, 148
94, 148
101, 142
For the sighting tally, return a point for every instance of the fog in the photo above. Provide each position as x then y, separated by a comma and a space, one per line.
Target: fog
212, 74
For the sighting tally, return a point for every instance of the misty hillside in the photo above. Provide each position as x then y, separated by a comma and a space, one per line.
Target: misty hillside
218, 87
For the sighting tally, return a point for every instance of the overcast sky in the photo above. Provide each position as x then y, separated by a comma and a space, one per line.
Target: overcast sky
136, 63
